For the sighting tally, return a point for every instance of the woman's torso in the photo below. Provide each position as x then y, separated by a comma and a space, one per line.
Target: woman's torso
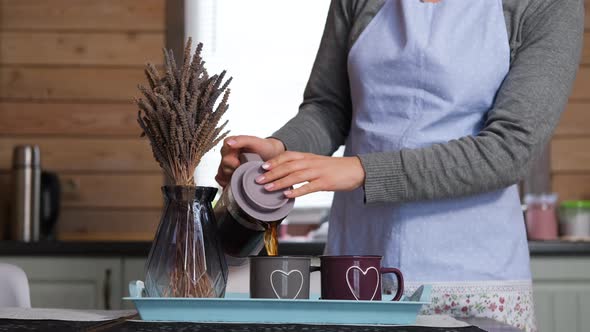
423, 74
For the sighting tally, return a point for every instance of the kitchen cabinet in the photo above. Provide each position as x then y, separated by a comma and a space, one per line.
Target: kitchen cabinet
561, 288
90, 283
78, 283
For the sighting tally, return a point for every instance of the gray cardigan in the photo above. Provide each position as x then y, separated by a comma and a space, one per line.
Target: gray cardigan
545, 41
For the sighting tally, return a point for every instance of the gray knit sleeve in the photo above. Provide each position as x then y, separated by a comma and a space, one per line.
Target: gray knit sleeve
527, 109
324, 117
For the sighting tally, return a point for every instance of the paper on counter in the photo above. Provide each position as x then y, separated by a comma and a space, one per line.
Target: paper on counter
63, 314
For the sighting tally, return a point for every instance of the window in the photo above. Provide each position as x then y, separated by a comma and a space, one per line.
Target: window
268, 47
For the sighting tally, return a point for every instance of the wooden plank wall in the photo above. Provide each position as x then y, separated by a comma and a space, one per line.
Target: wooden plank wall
68, 71
570, 147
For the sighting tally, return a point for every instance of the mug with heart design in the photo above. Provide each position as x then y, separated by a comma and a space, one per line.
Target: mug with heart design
356, 278
280, 277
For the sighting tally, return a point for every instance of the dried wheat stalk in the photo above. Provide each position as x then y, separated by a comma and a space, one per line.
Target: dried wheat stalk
179, 113
180, 116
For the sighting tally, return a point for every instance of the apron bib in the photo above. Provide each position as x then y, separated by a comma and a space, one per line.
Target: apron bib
420, 74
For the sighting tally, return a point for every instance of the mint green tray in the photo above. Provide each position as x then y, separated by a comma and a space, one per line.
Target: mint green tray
238, 308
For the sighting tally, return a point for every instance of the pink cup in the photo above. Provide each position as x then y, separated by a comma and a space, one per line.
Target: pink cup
541, 219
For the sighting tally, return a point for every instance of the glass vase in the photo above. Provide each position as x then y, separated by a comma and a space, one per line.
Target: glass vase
186, 259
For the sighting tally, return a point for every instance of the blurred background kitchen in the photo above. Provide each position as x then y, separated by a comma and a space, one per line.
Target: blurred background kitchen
68, 71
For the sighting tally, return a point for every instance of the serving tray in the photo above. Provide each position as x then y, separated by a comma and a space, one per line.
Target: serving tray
239, 308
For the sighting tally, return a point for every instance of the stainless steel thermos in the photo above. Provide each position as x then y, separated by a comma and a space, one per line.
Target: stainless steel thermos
26, 203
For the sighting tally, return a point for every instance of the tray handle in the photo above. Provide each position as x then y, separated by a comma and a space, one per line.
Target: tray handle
136, 288
426, 293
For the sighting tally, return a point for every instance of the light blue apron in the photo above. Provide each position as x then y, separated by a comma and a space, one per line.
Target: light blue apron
420, 74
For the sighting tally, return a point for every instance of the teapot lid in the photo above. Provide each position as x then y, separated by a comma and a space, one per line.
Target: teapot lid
256, 201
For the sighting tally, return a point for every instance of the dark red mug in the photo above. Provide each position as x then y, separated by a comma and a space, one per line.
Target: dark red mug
355, 278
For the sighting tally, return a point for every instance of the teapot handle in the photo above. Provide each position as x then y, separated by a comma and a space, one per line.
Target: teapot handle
247, 157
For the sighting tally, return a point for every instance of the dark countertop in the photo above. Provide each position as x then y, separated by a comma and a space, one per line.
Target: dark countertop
138, 249
559, 248
478, 325
141, 249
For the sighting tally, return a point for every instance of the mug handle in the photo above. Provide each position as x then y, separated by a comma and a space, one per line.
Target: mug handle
315, 268
400, 281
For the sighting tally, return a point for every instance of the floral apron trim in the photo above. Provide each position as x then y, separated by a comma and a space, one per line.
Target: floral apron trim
510, 302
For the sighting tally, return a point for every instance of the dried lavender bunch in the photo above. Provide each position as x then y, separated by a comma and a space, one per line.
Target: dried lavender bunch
179, 113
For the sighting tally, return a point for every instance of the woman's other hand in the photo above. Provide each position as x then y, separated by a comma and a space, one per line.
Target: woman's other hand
267, 148
322, 173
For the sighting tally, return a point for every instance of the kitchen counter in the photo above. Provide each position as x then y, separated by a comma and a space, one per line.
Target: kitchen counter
559, 248
141, 249
53, 325
118, 249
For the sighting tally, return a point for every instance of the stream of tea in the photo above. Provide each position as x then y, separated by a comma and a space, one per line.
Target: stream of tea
271, 239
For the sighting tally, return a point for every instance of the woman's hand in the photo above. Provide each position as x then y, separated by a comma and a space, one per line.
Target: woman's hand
322, 173
266, 148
